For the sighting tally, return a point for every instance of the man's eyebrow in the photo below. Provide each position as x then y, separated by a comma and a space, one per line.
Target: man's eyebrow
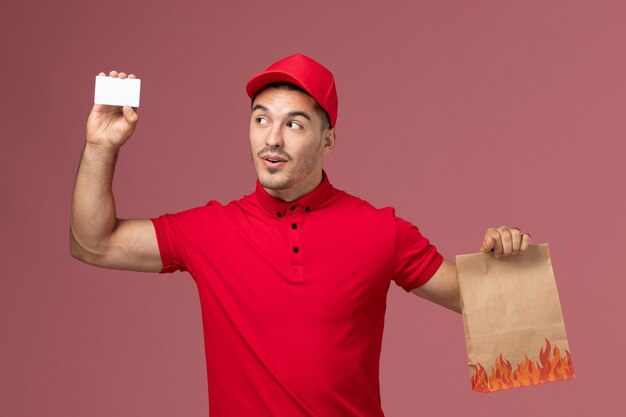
259, 107
290, 114
299, 113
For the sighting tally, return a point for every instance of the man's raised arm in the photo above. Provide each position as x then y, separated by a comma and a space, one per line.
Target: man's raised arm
97, 236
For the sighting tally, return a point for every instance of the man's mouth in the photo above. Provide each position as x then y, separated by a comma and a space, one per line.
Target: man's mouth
273, 159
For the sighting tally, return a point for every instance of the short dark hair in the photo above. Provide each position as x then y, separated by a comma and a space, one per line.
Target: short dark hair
292, 87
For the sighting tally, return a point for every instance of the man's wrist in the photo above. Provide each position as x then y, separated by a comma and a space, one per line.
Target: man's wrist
99, 152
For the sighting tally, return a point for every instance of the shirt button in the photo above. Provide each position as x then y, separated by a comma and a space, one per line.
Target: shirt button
292, 208
278, 214
296, 250
294, 226
307, 209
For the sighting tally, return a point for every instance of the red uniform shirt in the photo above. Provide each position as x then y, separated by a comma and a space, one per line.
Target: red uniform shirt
293, 297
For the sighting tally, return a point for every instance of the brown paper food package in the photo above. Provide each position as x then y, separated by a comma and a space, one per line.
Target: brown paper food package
514, 330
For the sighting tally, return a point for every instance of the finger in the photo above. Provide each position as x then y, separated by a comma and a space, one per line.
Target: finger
121, 75
487, 245
102, 74
131, 76
130, 114
516, 240
113, 74
489, 240
507, 246
526, 240
498, 249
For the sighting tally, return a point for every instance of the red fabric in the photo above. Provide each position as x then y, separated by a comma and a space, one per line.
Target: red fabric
307, 74
294, 333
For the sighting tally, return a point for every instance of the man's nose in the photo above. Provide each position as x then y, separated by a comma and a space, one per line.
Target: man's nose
274, 137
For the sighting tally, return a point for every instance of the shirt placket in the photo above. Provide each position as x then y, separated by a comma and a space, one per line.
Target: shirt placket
295, 216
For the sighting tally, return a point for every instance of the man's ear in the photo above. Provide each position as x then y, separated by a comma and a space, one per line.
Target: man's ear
329, 140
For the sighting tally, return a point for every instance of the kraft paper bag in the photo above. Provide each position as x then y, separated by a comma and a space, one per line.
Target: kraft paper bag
512, 318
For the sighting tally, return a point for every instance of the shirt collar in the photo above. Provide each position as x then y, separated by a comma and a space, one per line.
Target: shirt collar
310, 201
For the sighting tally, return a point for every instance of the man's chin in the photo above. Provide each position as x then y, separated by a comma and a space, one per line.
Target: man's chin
273, 181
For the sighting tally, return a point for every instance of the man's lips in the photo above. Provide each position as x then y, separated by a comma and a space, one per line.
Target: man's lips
273, 159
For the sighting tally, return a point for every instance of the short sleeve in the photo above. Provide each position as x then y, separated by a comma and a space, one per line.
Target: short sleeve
416, 260
168, 232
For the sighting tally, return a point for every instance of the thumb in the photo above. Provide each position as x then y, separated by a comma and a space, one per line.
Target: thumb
130, 114
487, 245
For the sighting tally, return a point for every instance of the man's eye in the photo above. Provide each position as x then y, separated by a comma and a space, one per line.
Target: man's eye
261, 120
294, 125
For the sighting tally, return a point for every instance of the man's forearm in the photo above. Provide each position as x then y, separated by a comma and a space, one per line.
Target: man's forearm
443, 287
93, 216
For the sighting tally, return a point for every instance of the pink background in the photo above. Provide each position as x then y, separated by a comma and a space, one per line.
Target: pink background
461, 114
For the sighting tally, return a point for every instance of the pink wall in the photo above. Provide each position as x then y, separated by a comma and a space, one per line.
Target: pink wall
460, 114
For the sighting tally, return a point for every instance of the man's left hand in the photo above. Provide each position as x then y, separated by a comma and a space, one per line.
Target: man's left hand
504, 241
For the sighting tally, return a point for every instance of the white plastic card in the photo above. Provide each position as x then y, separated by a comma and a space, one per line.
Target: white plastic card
117, 91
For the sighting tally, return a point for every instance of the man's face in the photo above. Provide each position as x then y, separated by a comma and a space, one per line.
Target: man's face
288, 142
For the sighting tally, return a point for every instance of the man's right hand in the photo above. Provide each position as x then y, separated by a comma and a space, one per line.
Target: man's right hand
97, 236
111, 126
